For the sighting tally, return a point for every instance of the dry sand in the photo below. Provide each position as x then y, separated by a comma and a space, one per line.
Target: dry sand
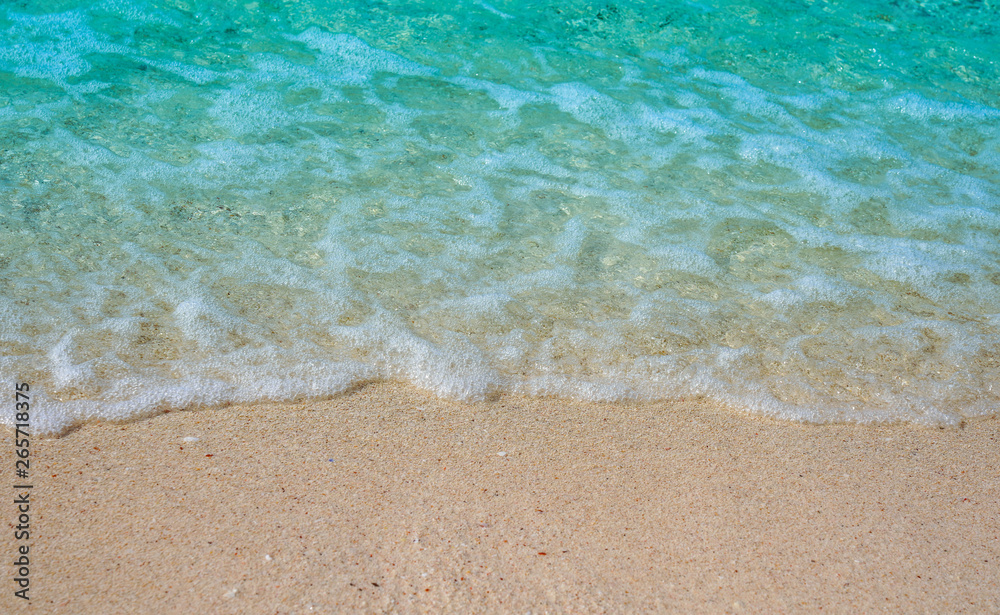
388, 499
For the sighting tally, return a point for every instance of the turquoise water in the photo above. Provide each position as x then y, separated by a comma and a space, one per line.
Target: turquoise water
792, 208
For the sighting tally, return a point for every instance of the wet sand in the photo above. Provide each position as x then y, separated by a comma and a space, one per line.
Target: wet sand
390, 500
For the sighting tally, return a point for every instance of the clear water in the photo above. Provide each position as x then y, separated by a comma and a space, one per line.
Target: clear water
789, 207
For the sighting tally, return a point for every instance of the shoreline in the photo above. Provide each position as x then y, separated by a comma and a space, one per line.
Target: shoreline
388, 499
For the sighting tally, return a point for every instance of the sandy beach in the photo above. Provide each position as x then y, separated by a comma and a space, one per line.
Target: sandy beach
387, 499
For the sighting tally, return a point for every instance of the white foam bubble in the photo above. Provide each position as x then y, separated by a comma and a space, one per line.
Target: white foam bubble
569, 218
51, 46
349, 60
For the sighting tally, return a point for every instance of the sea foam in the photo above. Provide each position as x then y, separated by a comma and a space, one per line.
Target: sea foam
202, 208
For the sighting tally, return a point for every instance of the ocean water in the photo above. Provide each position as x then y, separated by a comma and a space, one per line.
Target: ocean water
791, 207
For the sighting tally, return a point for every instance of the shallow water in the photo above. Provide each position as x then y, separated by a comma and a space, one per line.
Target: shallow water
791, 208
